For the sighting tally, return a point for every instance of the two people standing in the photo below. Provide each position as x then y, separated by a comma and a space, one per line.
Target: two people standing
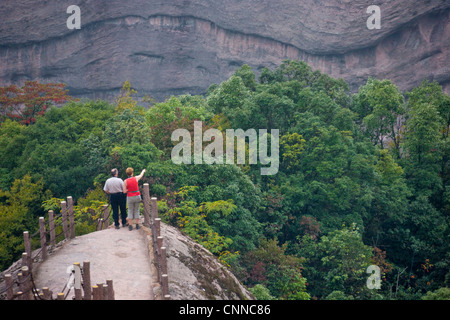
123, 194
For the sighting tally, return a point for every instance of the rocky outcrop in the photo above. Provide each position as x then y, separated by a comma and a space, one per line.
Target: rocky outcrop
128, 258
183, 46
195, 274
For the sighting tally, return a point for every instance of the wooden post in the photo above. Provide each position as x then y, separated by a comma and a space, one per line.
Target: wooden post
156, 232
24, 259
47, 295
100, 224
167, 297
110, 290
51, 226
154, 208
77, 281
60, 296
159, 243
65, 219
26, 283
97, 292
87, 280
105, 292
71, 217
158, 227
9, 286
20, 284
43, 237
165, 284
163, 260
146, 199
23, 278
27, 243
106, 215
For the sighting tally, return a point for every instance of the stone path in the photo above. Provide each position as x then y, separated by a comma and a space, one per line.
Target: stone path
120, 255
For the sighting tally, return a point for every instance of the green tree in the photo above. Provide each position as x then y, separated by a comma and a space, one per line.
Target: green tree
439, 294
125, 101
12, 142
226, 182
291, 146
432, 94
248, 76
174, 113
60, 147
270, 266
336, 262
20, 208
422, 144
380, 104
194, 219
261, 292
235, 102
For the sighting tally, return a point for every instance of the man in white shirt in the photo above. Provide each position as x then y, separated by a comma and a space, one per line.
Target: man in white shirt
114, 187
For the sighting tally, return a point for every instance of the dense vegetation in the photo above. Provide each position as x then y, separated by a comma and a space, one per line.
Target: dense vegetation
363, 179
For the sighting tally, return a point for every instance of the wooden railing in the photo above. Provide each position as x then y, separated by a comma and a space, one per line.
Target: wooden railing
18, 279
17, 282
152, 221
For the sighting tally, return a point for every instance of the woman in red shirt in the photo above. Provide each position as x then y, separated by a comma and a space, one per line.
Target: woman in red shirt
131, 188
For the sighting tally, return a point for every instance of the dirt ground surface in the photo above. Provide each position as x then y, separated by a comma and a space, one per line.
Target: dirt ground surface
119, 255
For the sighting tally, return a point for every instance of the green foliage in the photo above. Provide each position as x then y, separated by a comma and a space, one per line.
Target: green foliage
192, 219
339, 295
12, 221
58, 147
336, 262
125, 101
270, 266
439, 294
376, 160
379, 104
291, 146
261, 293
422, 139
174, 113
20, 208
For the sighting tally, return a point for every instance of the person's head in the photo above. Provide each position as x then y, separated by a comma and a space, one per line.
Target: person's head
129, 172
114, 172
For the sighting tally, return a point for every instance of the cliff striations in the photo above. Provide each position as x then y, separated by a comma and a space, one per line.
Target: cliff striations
183, 46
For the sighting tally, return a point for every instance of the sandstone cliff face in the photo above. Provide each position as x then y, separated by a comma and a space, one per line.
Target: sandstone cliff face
183, 46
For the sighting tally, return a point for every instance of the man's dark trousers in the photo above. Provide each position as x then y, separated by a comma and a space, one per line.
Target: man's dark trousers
119, 201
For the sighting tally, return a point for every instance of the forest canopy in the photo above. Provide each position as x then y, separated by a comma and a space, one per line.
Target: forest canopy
363, 178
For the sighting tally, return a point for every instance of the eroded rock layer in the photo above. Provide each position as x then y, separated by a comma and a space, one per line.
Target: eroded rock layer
183, 46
